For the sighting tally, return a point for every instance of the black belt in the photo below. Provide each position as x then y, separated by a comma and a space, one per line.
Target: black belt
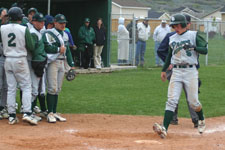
60, 58
183, 66
2, 55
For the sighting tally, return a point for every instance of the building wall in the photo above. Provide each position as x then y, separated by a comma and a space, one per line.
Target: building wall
165, 17
115, 9
211, 16
127, 13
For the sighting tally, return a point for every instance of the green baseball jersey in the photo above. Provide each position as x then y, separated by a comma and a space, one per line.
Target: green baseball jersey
53, 43
39, 53
177, 54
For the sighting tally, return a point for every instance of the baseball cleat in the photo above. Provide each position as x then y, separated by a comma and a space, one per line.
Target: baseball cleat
59, 117
44, 114
29, 119
36, 109
4, 114
36, 117
201, 126
51, 118
13, 120
1, 117
160, 130
174, 122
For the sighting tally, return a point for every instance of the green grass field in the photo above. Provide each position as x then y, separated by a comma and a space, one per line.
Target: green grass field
138, 92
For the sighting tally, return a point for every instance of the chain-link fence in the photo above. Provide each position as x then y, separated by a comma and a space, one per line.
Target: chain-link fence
122, 39
212, 31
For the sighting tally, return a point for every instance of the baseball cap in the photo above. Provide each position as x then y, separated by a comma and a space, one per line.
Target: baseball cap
60, 18
163, 21
38, 17
32, 9
87, 20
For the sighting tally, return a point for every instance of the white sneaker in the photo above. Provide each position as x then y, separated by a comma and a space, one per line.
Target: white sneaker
160, 130
36, 117
44, 114
4, 114
51, 118
98, 67
36, 109
13, 120
201, 126
59, 117
29, 119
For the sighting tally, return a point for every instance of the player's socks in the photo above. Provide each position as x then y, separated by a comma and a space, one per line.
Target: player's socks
34, 103
200, 115
50, 102
41, 98
55, 103
168, 116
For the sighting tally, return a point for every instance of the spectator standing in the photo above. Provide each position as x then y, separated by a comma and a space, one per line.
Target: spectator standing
100, 34
158, 36
131, 46
123, 42
86, 36
143, 35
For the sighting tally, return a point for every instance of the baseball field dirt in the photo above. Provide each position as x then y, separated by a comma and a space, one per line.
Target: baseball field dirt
110, 132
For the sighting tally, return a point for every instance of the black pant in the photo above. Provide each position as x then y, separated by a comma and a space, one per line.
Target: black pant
87, 57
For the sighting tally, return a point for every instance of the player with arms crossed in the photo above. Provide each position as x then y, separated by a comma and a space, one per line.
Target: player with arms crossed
185, 45
58, 52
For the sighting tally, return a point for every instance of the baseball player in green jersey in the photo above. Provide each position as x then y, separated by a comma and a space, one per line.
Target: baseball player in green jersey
58, 52
184, 48
17, 41
37, 60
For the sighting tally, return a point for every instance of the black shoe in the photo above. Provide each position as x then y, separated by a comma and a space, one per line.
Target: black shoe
174, 122
195, 124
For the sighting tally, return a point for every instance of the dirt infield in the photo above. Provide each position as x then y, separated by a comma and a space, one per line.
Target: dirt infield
110, 132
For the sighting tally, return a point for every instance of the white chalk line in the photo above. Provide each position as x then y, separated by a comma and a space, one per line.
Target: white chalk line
71, 131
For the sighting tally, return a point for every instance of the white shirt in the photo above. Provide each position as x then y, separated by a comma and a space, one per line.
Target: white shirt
143, 31
179, 55
160, 33
13, 39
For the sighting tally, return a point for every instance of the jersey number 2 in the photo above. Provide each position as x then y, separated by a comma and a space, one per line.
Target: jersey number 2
11, 42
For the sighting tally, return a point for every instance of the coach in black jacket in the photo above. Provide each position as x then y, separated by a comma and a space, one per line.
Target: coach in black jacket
100, 36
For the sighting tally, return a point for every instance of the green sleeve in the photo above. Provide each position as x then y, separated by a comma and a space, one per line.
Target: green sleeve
51, 48
30, 45
35, 38
69, 57
81, 35
201, 45
168, 60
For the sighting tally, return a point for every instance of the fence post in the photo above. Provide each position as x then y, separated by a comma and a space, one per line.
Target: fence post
133, 39
207, 40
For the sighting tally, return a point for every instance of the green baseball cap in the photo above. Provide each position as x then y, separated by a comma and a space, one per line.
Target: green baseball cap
38, 17
87, 20
60, 18
32, 9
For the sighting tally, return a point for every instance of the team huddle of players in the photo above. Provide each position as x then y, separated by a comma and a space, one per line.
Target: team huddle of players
34, 53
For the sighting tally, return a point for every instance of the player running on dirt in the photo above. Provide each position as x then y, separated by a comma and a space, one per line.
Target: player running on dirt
184, 48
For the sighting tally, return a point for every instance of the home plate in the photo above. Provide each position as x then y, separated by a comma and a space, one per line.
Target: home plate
147, 142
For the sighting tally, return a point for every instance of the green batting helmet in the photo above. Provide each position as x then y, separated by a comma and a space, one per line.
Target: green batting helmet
178, 19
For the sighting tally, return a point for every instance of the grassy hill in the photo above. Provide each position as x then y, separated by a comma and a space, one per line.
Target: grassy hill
167, 5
